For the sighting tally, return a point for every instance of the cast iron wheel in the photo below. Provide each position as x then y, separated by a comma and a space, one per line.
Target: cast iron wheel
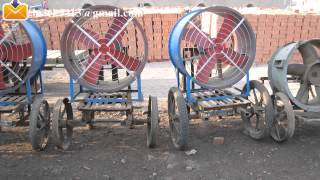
284, 120
39, 124
178, 119
153, 122
259, 123
62, 132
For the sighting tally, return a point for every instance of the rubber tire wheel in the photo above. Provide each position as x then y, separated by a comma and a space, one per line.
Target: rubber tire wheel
264, 130
177, 102
289, 117
153, 122
39, 124
62, 140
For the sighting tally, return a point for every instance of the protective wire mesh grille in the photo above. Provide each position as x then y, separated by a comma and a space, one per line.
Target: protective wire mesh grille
15, 55
101, 51
218, 47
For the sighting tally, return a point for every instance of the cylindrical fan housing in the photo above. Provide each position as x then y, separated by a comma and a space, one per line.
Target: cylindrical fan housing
23, 54
228, 47
282, 65
104, 53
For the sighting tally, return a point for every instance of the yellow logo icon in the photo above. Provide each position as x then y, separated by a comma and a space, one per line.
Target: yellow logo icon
15, 11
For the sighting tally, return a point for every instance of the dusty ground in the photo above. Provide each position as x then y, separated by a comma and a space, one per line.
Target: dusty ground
111, 151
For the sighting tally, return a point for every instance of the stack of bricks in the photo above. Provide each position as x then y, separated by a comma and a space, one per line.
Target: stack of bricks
153, 30
272, 30
157, 37
148, 28
52, 29
168, 21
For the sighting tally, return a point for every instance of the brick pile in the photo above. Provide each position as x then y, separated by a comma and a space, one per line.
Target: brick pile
273, 29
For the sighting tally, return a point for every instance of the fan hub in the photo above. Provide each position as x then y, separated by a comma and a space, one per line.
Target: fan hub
219, 48
104, 49
313, 74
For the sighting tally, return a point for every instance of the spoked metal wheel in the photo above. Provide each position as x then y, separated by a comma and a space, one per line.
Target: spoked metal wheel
178, 119
62, 132
153, 122
258, 124
284, 120
39, 124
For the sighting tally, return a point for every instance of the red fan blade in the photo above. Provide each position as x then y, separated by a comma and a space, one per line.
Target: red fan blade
130, 63
2, 83
194, 36
238, 59
92, 73
1, 31
16, 53
77, 35
204, 69
115, 27
225, 29
3, 53
13, 53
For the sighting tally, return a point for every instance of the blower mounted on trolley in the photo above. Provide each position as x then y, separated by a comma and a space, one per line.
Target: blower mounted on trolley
102, 66
212, 49
294, 76
23, 54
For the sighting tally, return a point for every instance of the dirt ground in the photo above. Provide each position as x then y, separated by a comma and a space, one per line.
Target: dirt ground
111, 151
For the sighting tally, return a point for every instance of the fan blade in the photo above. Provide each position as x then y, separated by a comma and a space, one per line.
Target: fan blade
130, 63
204, 68
297, 69
303, 93
3, 53
225, 29
115, 27
77, 35
308, 53
238, 59
317, 88
16, 53
1, 31
200, 39
2, 83
92, 74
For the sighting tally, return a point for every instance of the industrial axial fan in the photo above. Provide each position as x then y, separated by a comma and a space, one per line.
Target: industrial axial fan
213, 49
294, 75
22, 56
104, 50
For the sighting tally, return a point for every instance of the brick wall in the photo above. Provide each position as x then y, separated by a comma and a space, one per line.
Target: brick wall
272, 31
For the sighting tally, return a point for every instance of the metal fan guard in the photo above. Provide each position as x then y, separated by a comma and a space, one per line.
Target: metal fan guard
74, 73
175, 47
39, 54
